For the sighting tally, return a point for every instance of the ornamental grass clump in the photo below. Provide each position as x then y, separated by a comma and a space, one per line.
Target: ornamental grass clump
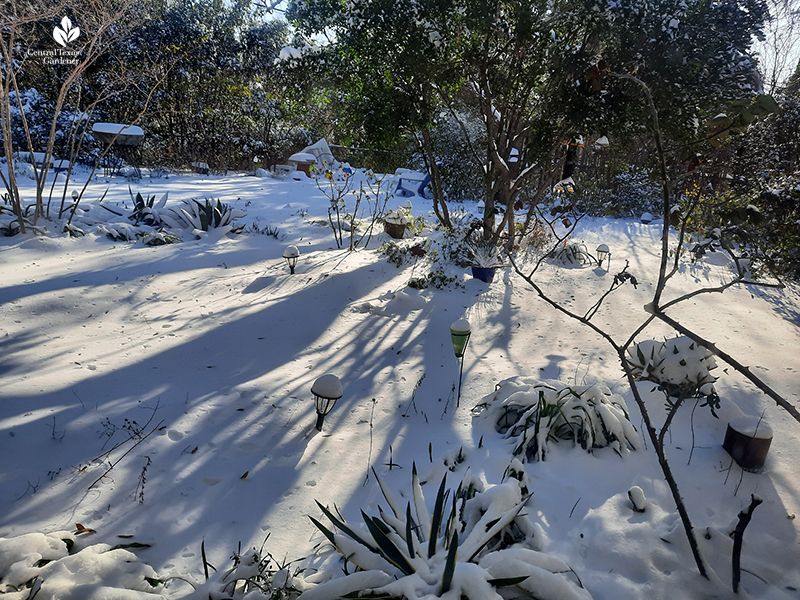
476, 544
531, 414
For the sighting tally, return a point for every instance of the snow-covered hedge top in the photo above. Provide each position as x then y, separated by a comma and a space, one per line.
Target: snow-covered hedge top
680, 364
115, 128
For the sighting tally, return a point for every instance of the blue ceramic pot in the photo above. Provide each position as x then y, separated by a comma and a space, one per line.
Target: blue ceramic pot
484, 274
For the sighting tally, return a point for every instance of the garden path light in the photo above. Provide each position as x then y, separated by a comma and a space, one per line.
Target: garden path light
327, 390
603, 253
291, 254
459, 333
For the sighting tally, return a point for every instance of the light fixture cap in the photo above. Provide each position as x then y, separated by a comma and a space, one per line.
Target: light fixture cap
603, 248
291, 252
328, 387
460, 326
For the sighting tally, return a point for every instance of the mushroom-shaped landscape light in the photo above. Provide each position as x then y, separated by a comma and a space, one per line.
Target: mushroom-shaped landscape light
327, 390
459, 334
602, 254
291, 254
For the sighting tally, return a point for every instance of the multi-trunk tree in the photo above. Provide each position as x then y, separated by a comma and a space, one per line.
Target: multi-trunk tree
537, 71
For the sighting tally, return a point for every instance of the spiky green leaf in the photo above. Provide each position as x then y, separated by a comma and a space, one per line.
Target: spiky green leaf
342, 526
502, 582
386, 547
436, 522
450, 565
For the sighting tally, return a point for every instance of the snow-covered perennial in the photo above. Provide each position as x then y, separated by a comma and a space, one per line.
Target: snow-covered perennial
531, 413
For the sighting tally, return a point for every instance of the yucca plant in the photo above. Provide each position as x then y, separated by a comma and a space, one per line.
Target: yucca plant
531, 414
476, 544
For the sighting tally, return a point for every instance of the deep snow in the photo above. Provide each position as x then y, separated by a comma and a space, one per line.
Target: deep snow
215, 345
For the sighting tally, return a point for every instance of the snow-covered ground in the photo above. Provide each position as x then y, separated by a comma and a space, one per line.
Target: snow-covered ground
213, 347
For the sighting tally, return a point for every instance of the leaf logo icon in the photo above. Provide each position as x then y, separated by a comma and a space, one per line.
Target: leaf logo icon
65, 33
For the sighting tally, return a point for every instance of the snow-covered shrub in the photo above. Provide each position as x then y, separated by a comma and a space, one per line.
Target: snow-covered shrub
395, 253
119, 232
573, 254
9, 223
475, 542
255, 575
531, 414
48, 567
161, 237
436, 279
460, 169
629, 195
679, 365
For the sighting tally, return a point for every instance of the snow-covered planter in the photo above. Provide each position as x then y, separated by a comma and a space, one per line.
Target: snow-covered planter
680, 366
477, 541
531, 414
44, 566
395, 222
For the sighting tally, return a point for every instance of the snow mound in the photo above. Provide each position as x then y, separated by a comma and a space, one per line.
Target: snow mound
405, 302
40, 565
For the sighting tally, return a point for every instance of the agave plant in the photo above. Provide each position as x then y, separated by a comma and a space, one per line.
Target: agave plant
147, 210
679, 365
476, 544
532, 413
204, 216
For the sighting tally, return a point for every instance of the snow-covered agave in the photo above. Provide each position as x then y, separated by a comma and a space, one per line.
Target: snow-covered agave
203, 216
483, 548
531, 414
680, 365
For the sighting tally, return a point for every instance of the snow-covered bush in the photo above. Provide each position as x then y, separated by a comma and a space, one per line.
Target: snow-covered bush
119, 232
49, 567
629, 195
481, 544
460, 169
255, 575
679, 365
572, 254
161, 237
531, 414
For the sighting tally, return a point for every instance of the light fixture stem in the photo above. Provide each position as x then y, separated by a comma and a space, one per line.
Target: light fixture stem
320, 419
460, 376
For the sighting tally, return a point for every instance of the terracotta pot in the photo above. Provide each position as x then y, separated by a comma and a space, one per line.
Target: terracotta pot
396, 230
